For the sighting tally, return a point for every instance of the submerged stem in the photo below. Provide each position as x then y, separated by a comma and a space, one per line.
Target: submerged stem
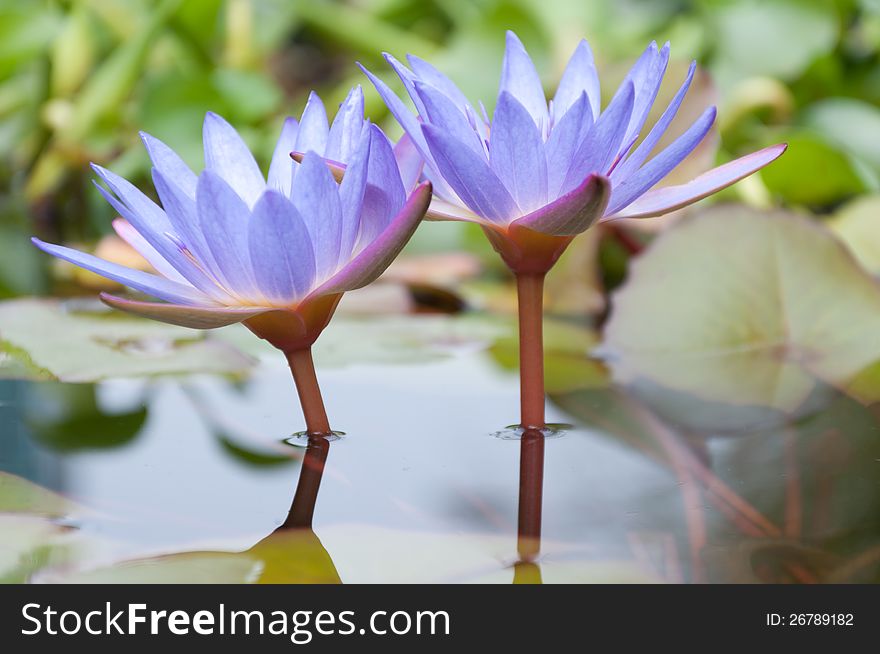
530, 293
303, 368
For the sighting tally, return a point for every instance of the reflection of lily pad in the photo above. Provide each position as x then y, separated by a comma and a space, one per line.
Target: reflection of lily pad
364, 554
49, 342
27, 545
746, 308
18, 495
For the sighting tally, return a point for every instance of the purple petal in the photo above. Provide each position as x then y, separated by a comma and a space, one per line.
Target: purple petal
347, 128
580, 77
181, 211
663, 200
471, 177
427, 73
409, 161
143, 208
601, 146
171, 165
442, 210
574, 212
641, 153
154, 227
441, 112
646, 76
352, 191
185, 316
660, 166
280, 249
313, 127
227, 155
384, 195
517, 153
316, 196
130, 235
378, 255
413, 129
145, 282
223, 218
521, 80
565, 138
408, 78
281, 168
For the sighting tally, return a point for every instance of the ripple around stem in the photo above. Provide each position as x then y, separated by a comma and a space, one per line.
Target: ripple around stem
302, 438
550, 430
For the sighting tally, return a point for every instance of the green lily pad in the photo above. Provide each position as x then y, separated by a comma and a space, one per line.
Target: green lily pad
41, 339
858, 225
18, 495
746, 308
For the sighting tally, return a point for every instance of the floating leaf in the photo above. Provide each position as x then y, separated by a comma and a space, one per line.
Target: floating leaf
745, 308
18, 495
50, 342
858, 225
813, 172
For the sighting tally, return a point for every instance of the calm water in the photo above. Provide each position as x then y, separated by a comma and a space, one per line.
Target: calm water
641, 488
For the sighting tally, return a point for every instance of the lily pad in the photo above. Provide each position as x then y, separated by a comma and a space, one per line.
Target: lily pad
858, 225
746, 308
44, 340
18, 495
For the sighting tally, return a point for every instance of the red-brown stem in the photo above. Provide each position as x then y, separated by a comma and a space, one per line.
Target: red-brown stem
303, 508
531, 491
303, 369
530, 294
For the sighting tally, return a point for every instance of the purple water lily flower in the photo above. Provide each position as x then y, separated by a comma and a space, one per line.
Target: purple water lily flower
230, 245
554, 168
538, 173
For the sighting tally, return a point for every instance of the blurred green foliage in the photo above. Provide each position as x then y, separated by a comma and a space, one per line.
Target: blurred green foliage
80, 78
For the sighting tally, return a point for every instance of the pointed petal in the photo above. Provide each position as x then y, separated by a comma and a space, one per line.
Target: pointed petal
427, 73
147, 212
409, 161
574, 212
378, 255
314, 128
471, 177
148, 283
643, 151
131, 236
227, 155
664, 200
280, 249
345, 133
565, 139
223, 219
181, 211
580, 77
645, 76
352, 190
517, 153
281, 168
182, 315
171, 165
601, 146
660, 166
441, 112
384, 195
521, 80
316, 196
